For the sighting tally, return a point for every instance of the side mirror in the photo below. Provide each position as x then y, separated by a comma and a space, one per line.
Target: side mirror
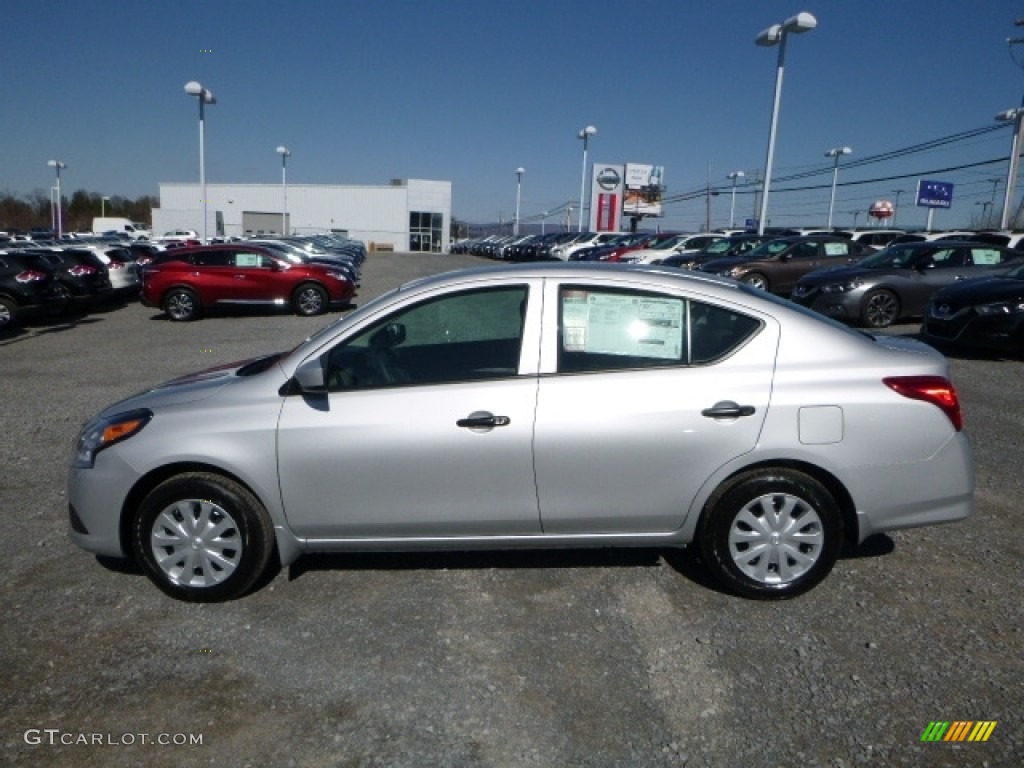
309, 377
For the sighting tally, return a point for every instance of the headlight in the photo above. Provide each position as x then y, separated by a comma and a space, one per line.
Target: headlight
849, 285
102, 433
338, 275
1001, 308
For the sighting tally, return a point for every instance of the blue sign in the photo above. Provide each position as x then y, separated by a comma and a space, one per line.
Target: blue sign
934, 194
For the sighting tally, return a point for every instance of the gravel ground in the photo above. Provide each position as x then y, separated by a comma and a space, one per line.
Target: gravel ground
489, 659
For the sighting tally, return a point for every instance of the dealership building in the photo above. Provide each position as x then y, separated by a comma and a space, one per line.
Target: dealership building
405, 215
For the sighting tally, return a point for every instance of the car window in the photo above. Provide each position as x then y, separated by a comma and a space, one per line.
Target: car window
947, 258
610, 330
836, 250
986, 257
465, 336
804, 251
249, 259
216, 258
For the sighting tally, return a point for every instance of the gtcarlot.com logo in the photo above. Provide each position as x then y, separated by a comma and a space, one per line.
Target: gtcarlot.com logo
958, 730
58, 737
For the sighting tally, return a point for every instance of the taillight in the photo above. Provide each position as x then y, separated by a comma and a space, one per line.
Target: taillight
30, 276
932, 389
81, 270
116, 265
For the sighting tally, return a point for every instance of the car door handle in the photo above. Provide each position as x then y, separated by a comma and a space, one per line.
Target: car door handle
483, 422
727, 409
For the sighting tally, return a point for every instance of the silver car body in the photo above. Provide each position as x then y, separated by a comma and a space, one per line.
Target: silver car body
592, 458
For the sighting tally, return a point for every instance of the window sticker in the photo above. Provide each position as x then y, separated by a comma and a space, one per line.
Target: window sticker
247, 259
617, 324
836, 249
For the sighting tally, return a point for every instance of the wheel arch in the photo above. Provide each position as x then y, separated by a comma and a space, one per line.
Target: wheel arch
286, 547
847, 508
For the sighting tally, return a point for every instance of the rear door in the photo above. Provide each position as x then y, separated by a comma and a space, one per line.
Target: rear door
643, 396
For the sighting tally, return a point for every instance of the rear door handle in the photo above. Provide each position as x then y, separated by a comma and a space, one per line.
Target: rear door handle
727, 409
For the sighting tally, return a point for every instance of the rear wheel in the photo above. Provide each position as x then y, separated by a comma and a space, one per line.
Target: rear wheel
309, 299
201, 537
771, 534
181, 304
880, 309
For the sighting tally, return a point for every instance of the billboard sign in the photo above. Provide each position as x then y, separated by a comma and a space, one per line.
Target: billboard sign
606, 188
644, 189
934, 194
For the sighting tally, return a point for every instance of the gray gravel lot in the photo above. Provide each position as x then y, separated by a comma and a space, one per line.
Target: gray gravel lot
488, 659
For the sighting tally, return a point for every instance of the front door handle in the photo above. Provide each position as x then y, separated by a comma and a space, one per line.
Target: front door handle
483, 421
727, 409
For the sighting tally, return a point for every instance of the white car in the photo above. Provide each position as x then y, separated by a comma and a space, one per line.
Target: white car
679, 244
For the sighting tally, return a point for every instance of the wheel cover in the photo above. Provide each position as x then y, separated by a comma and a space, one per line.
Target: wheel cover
776, 538
756, 281
196, 543
881, 310
180, 305
310, 300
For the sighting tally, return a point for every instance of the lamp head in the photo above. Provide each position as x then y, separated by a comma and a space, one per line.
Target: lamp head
284, 151
520, 171
769, 37
588, 131
193, 88
802, 22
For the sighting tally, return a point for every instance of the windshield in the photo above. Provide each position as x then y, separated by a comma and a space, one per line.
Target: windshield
767, 250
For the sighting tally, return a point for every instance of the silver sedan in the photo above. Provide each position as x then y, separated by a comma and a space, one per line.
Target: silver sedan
553, 406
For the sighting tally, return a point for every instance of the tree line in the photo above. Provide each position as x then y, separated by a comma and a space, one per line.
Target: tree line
22, 213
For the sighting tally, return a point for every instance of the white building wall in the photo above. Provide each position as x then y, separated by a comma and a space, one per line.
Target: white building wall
377, 215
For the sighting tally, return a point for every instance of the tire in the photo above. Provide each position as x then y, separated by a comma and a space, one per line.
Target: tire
8, 314
756, 280
309, 299
182, 305
771, 534
880, 309
202, 538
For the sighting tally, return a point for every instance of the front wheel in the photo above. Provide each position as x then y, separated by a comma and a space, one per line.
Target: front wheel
309, 300
8, 313
771, 534
880, 309
756, 280
202, 538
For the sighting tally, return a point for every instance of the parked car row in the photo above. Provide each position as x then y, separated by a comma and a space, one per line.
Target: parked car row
308, 274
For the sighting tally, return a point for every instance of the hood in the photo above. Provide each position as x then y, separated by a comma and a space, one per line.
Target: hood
981, 290
834, 274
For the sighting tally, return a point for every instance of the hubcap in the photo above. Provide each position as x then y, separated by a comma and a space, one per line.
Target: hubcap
179, 305
196, 543
881, 310
310, 301
776, 538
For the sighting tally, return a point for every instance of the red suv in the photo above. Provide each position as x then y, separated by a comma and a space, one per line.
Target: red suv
184, 281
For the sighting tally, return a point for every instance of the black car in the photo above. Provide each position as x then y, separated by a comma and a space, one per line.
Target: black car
899, 281
727, 247
985, 313
82, 278
26, 289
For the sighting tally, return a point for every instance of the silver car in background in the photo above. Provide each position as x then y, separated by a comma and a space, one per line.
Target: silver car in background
563, 405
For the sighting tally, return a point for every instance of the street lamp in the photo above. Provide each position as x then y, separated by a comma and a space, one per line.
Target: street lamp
776, 35
519, 188
584, 134
285, 153
204, 96
1011, 174
58, 165
732, 207
835, 152
103, 206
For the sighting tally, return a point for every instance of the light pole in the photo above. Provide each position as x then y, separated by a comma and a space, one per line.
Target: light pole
984, 212
835, 152
732, 207
58, 165
204, 96
584, 134
285, 153
1016, 115
776, 35
519, 188
103, 206
896, 208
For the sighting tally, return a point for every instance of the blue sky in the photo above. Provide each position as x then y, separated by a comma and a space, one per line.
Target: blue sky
363, 92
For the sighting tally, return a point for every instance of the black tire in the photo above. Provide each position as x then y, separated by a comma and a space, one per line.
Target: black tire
756, 280
766, 559
8, 313
309, 299
880, 309
202, 538
182, 305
